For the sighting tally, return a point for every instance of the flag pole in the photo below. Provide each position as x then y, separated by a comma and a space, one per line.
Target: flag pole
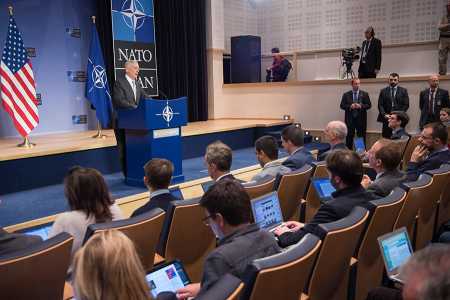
10, 8
99, 134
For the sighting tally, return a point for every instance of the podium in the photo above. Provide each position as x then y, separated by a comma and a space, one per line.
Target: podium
153, 130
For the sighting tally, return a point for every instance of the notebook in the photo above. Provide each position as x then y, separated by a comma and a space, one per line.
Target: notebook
324, 188
168, 277
360, 147
267, 211
396, 249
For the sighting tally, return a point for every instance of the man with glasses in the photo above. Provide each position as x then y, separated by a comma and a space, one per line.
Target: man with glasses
370, 62
431, 101
431, 153
228, 214
392, 98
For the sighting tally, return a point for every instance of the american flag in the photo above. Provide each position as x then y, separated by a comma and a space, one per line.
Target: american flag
17, 82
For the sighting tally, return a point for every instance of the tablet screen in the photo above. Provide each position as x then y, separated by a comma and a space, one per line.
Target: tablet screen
168, 278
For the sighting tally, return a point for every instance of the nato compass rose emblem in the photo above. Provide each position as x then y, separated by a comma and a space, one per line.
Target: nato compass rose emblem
98, 77
133, 14
167, 113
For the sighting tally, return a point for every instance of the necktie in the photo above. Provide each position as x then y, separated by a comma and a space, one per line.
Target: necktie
393, 97
134, 89
355, 100
430, 103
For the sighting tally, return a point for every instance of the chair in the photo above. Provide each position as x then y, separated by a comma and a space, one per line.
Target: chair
403, 143
284, 275
443, 214
312, 202
412, 143
417, 193
291, 190
428, 210
329, 279
38, 272
228, 287
255, 190
144, 230
367, 273
188, 239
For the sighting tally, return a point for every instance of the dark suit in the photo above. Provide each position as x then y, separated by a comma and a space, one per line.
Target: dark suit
386, 182
400, 134
386, 105
159, 201
372, 61
339, 207
340, 146
433, 161
429, 115
123, 98
11, 242
355, 119
298, 159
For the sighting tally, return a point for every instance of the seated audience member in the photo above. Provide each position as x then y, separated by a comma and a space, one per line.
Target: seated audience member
228, 214
397, 121
158, 173
266, 149
292, 141
425, 274
218, 159
444, 116
89, 203
279, 70
346, 172
335, 133
384, 157
431, 153
11, 242
108, 267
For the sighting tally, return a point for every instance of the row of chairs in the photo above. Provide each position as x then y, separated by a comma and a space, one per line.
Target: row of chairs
421, 206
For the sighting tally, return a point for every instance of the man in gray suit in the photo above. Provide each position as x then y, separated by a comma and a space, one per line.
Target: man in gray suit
384, 158
127, 93
335, 133
266, 150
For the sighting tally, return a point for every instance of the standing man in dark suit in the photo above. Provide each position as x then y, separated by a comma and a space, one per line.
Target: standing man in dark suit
384, 157
127, 93
346, 171
392, 98
370, 62
355, 103
431, 153
158, 173
292, 141
431, 101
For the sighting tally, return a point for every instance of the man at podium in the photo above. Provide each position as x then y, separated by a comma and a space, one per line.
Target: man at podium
127, 93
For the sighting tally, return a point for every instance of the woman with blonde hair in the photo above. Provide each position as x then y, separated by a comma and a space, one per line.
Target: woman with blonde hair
108, 268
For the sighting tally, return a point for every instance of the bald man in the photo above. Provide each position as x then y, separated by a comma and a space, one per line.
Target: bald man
432, 100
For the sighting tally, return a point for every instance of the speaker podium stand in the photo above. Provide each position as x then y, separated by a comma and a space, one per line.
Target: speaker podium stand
153, 130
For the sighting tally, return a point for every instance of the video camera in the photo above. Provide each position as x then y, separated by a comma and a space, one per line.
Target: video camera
349, 55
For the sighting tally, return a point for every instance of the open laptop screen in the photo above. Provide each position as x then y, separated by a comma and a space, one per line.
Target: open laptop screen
266, 211
396, 249
40, 230
360, 147
323, 187
167, 278
176, 192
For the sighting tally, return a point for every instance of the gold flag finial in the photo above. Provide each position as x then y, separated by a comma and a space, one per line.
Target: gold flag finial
93, 19
10, 10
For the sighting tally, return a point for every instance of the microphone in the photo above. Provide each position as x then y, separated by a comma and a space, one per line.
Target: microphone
163, 94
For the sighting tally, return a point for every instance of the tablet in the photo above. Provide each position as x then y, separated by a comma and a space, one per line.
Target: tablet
323, 187
168, 277
40, 230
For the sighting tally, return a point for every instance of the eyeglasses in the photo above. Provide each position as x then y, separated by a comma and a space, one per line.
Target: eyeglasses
205, 220
426, 137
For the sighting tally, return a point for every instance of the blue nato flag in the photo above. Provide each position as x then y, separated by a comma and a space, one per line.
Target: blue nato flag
97, 89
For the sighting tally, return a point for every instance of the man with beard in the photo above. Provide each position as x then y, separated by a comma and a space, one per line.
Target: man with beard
392, 98
346, 172
431, 153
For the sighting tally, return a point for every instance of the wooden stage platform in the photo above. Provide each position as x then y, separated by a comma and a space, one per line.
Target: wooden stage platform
51, 144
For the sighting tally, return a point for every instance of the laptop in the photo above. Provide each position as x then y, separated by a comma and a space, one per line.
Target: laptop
360, 147
176, 192
206, 185
168, 277
267, 211
40, 230
396, 249
324, 188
